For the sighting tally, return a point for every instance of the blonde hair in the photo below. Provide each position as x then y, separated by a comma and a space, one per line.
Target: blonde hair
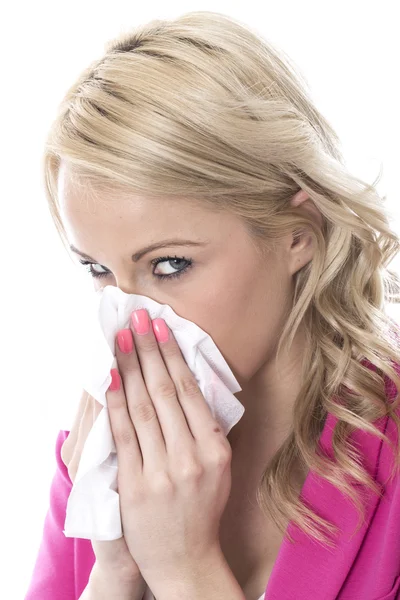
203, 108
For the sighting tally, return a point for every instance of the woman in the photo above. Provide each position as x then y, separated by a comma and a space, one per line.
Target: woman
189, 164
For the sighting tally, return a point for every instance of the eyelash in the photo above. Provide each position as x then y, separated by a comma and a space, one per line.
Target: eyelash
154, 262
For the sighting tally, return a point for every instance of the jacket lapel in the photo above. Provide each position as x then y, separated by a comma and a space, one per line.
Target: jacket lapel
308, 569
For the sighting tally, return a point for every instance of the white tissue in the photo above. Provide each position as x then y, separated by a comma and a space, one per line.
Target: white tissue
93, 505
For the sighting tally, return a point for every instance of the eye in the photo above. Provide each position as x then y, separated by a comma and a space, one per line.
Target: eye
172, 263
91, 270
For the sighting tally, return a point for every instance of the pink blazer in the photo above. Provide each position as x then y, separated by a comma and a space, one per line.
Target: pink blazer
363, 567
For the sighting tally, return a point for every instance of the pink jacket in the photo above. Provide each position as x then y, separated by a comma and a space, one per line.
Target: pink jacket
364, 567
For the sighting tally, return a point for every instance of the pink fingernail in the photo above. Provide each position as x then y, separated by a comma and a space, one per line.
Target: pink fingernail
125, 340
141, 321
160, 330
115, 380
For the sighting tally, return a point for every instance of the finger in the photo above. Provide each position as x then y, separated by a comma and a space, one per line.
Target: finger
141, 409
196, 410
126, 443
159, 384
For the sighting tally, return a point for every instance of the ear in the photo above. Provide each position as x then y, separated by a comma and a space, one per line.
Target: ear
303, 199
301, 249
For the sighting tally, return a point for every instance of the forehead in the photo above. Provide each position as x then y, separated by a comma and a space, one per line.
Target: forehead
83, 204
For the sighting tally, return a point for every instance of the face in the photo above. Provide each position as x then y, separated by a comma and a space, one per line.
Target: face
216, 278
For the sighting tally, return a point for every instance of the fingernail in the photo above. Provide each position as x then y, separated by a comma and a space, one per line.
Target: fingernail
125, 340
115, 380
140, 321
160, 330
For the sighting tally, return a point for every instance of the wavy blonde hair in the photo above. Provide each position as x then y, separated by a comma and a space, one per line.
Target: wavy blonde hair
203, 108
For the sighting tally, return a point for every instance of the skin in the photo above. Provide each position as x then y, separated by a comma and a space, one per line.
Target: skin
238, 297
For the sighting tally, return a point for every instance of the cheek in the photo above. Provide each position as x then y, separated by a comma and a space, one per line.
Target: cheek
249, 344
246, 325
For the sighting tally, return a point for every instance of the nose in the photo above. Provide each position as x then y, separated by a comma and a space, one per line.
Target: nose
127, 287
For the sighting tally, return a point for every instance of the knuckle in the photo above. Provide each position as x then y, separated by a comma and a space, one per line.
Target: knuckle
187, 386
166, 389
123, 437
190, 470
171, 350
220, 457
130, 367
147, 344
161, 483
143, 412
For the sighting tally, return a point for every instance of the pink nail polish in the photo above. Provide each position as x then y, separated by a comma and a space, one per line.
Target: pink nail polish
140, 321
125, 341
160, 330
115, 380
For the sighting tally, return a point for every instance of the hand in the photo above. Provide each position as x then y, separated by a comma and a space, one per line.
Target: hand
174, 475
111, 556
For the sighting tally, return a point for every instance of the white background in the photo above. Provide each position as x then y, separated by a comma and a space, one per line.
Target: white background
349, 54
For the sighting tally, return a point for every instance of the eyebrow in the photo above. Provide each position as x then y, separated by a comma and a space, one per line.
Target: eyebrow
138, 255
